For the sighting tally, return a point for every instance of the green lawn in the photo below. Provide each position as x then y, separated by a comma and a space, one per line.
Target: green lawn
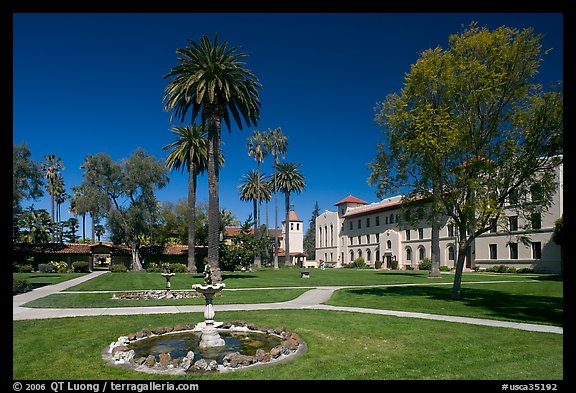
286, 277
104, 300
40, 279
341, 346
530, 302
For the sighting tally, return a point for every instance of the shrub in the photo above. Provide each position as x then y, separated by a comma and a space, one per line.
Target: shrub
23, 268
359, 262
46, 268
177, 267
444, 268
425, 264
80, 267
60, 267
524, 270
153, 267
20, 286
118, 268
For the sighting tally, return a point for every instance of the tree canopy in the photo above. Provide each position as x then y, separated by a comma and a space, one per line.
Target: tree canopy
126, 191
473, 123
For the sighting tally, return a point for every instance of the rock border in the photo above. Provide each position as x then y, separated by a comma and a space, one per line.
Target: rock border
119, 354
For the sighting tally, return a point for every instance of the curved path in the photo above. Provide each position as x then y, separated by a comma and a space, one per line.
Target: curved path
311, 299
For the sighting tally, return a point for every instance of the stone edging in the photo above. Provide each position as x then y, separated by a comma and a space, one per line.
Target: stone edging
118, 352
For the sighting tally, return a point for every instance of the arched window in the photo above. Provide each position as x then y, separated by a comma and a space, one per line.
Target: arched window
359, 253
421, 253
368, 255
377, 255
408, 254
351, 256
388, 244
331, 235
451, 253
326, 236
391, 218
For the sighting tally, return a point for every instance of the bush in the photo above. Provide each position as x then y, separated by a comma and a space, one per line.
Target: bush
359, 262
524, 270
23, 268
80, 267
20, 286
177, 267
153, 267
118, 268
497, 269
46, 268
444, 268
425, 264
60, 267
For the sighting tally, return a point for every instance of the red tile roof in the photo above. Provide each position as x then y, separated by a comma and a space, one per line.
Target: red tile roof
372, 209
292, 216
236, 231
351, 199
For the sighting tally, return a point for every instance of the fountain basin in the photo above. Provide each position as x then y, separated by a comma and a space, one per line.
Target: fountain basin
177, 350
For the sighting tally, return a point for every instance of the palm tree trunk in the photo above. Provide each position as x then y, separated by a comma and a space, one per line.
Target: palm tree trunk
92, 226
287, 260
191, 219
257, 257
213, 198
84, 226
276, 267
255, 246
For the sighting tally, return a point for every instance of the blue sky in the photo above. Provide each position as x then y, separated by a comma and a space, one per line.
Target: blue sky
93, 82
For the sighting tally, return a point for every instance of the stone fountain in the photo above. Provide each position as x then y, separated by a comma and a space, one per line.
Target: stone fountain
168, 274
210, 337
206, 346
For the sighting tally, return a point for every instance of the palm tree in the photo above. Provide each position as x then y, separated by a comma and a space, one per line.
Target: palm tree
276, 143
255, 188
38, 225
211, 79
99, 230
52, 167
189, 151
257, 149
289, 180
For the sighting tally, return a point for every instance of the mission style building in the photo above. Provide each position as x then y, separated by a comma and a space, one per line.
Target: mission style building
375, 232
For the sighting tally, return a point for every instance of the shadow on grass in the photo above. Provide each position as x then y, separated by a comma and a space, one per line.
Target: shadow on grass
410, 273
226, 276
549, 277
528, 308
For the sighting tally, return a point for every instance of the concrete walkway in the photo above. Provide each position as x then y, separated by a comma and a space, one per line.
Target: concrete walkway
312, 299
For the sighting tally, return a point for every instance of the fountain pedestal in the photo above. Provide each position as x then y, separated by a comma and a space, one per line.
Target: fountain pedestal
168, 276
210, 336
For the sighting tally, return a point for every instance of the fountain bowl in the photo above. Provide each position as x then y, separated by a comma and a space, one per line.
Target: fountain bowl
175, 349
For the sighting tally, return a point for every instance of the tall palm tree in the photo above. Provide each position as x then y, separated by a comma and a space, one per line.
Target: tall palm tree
189, 151
289, 180
211, 80
52, 167
257, 149
276, 143
254, 188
